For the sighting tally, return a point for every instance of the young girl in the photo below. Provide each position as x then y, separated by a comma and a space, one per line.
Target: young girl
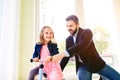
44, 50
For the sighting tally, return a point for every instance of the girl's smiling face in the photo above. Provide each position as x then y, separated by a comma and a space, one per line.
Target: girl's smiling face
48, 35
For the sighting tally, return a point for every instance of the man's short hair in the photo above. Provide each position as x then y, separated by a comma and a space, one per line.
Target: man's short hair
74, 18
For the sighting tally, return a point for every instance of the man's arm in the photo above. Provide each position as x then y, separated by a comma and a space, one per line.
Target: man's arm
58, 57
83, 42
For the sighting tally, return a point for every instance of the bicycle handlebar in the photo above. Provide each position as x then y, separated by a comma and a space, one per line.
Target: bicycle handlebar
31, 60
41, 65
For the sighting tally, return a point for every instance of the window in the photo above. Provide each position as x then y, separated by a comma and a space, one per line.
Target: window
53, 13
100, 14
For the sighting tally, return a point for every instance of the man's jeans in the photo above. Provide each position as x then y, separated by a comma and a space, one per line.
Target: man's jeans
108, 72
84, 74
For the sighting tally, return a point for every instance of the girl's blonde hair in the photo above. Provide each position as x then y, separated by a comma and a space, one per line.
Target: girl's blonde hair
41, 39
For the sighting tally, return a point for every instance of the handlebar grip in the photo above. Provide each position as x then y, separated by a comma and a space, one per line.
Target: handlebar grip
41, 66
31, 60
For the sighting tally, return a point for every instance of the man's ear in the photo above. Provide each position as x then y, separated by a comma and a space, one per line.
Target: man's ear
78, 25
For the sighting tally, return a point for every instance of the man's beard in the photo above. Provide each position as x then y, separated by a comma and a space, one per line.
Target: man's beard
74, 31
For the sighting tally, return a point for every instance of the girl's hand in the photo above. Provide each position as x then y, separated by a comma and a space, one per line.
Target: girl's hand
36, 59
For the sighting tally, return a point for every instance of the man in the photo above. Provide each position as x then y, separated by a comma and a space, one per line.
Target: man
80, 44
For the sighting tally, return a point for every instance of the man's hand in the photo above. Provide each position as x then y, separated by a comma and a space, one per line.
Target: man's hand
58, 57
48, 59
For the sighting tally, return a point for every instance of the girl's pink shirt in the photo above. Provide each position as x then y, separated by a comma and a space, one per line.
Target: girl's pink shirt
52, 69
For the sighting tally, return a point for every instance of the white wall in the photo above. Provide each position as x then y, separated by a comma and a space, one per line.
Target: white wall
8, 40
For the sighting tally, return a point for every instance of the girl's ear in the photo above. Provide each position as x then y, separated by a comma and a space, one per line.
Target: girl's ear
53, 35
